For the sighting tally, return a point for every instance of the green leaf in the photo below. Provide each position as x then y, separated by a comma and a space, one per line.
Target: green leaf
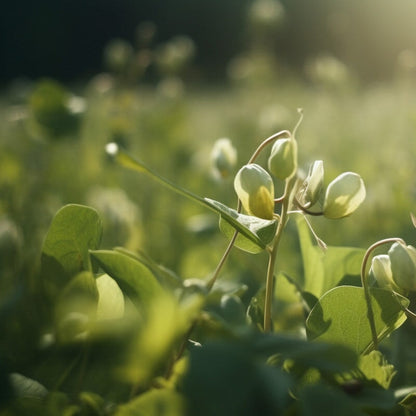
92, 404
166, 277
325, 269
74, 231
165, 327
409, 401
154, 403
375, 367
323, 400
27, 387
250, 231
376, 400
110, 298
264, 229
257, 230
229, 314
226, 378
79, 295
322, 356
340, 317
134, 279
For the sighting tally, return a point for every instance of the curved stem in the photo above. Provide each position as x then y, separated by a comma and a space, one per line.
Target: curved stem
279, 200
267, 141
306, 210
364, 283
300, 111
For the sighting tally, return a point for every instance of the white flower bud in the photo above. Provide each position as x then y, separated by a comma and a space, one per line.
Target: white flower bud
403, 265
381, 271
314, 183
224, 157
344, 195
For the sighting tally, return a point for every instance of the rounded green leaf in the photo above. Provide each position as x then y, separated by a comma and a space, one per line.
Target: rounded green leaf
134, 278
340, 317
74, 231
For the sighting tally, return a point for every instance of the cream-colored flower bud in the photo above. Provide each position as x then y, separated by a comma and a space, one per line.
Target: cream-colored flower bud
255, 189
403, 265
314, 183
344, 195
283, 160
381, 271
224, 157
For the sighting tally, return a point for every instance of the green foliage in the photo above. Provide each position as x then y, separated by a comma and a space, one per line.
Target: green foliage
133, 277
248, 227
89, 329
74, 230
154, 403
325, 268
340, 316
374, 367
264, 229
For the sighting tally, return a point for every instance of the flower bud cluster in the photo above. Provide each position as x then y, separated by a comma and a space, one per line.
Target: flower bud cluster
342, 196
397, 269
255, 186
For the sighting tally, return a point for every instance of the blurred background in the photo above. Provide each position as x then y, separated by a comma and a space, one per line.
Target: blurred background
175, 82
166, 79
65, 39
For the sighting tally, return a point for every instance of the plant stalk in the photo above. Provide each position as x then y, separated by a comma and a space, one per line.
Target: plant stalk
213, 279
267, 325
252, 159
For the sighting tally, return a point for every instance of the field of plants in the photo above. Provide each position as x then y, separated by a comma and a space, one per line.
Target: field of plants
176, 248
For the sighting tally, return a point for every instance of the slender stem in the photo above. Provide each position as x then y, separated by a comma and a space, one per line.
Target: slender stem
300, 111
224, 257
273, 255
364, 283
213, 279
267, 325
